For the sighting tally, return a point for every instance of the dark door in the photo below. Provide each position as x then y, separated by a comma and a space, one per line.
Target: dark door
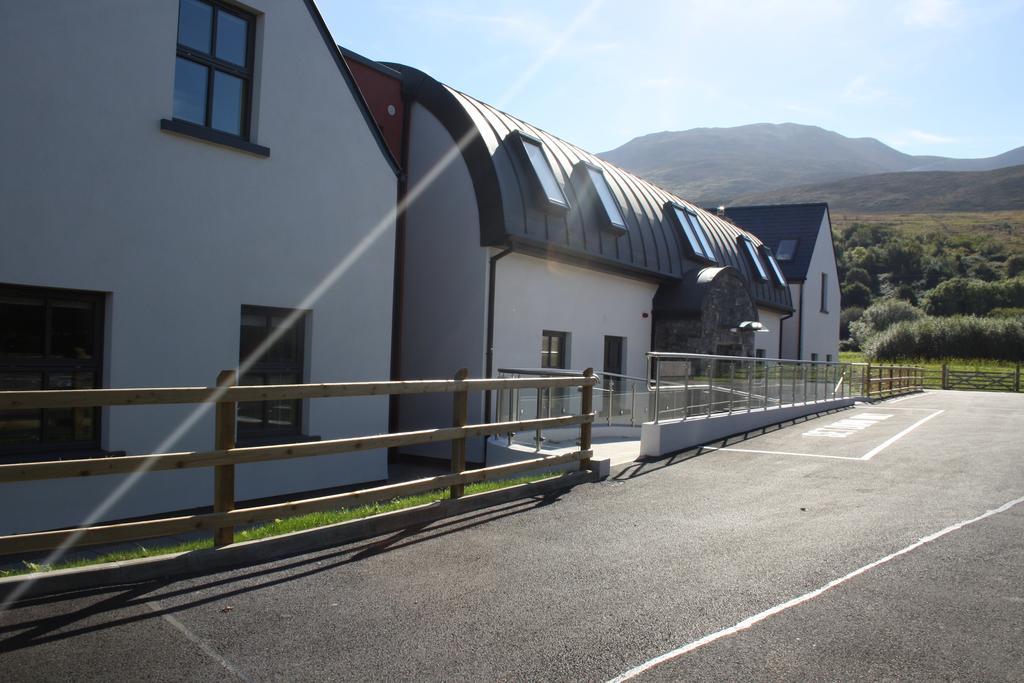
613, 348
614, 363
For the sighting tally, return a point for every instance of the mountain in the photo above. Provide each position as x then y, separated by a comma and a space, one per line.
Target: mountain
908, 192
716, 165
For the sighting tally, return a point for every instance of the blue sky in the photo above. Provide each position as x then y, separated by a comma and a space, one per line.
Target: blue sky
941, 77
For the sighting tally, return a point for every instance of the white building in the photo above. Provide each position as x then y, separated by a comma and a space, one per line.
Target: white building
801, 237
522, 251
175, 180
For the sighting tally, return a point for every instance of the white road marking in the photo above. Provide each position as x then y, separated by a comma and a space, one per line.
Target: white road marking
888, 442
848, 425
806, 455
907, 398
196, 640
772, 611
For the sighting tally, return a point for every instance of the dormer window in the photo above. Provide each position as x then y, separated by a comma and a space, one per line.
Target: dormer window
604, 194
786, 250
755, 263
693, 232
545, 184
773, 265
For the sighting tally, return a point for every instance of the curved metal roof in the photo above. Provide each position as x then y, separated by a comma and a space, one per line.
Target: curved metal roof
651, 246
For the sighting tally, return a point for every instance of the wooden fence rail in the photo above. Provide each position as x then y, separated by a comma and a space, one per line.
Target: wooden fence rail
884, 381
224, 518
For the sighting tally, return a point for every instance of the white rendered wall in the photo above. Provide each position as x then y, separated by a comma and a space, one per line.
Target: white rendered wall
535, 294
769, 341
181, 233
444, 309
791, 326
821, 330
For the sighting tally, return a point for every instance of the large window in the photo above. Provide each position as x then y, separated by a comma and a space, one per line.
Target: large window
694, 233
553, 351
545, 183
780, 279
755, 263
213, 71
280, 363
50, 339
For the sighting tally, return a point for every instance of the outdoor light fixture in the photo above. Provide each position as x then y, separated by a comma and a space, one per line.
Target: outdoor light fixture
750, 326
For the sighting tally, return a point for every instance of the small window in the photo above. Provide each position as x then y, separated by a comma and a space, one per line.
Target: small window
545, 182
755, 262
50, 339
553, 351
604, 193
824, 292
828, 357
773, 265
213, 71
281, 363
814, 357
786, 250
759, 353
694, 233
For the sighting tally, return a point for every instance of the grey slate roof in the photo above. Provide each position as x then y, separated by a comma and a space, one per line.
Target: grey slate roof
776, 222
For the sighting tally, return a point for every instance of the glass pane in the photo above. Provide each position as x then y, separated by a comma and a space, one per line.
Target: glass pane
755, 262
780, 279
787, 249
21, 381
232, 38
195, 20
283, 414
699, 230
250, 413
691, 238
23, 326
73, 330
190, 91
286, 348
20, 426
254, 331
607, 200
227, 103
552, 190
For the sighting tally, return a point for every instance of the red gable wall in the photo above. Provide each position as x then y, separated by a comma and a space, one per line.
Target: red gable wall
380, 92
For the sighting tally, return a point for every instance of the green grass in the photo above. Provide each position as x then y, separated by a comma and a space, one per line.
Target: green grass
279, 526
1004, 227
967, 364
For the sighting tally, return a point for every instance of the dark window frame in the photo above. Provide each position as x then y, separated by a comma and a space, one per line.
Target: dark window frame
773, 266
694, 232
248, 433
48, 364
824, 292
545, 349
558, 204
756, 267
610, 224
788, 254
213, 64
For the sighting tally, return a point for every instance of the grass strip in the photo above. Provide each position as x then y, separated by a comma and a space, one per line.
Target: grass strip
278, 527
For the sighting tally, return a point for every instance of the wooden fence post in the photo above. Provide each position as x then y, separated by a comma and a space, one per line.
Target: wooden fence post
460, 418
224, 475
945, 376
1016, 378
586, 407
866, 379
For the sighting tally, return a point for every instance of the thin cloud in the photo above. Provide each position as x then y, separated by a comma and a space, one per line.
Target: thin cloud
860, 90
930, 13
929, 138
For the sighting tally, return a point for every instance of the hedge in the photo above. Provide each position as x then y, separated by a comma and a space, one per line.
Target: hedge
950, 337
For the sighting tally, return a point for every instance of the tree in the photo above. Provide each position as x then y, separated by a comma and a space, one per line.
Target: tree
856, 294
1015, 265
859, 275
880, 316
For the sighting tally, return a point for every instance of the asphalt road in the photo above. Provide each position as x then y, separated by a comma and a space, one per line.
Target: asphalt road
604, 578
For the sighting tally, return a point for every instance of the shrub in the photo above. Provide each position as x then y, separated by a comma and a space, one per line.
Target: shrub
967, 296
856, 294
1006, 313
880, 316
858, 275
954, 336
1015, 265
848, 315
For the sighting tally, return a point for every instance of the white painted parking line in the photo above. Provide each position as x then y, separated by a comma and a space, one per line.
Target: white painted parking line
772, 611
888, 442
848, 425
907, 398
751, 450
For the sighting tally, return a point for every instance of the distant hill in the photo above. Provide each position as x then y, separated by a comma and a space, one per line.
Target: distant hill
909, 192
716, 165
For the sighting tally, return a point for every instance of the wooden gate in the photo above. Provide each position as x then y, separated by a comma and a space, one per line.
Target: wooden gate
989, 380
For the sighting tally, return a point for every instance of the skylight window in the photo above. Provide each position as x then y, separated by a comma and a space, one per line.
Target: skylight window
546, 182
604, 193
780, 279
694, 234
786, 250
755, 262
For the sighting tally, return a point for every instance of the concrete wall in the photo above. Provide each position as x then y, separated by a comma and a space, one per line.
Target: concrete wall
768, 341
535, 294
181, 233
821, 329
444, 310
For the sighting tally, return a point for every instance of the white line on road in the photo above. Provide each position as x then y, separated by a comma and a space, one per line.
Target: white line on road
751, 450
890, 441
907, 398
772, 611
196, 640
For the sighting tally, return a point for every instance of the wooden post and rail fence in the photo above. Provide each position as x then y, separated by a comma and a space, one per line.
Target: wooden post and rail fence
224, 518
885, 381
